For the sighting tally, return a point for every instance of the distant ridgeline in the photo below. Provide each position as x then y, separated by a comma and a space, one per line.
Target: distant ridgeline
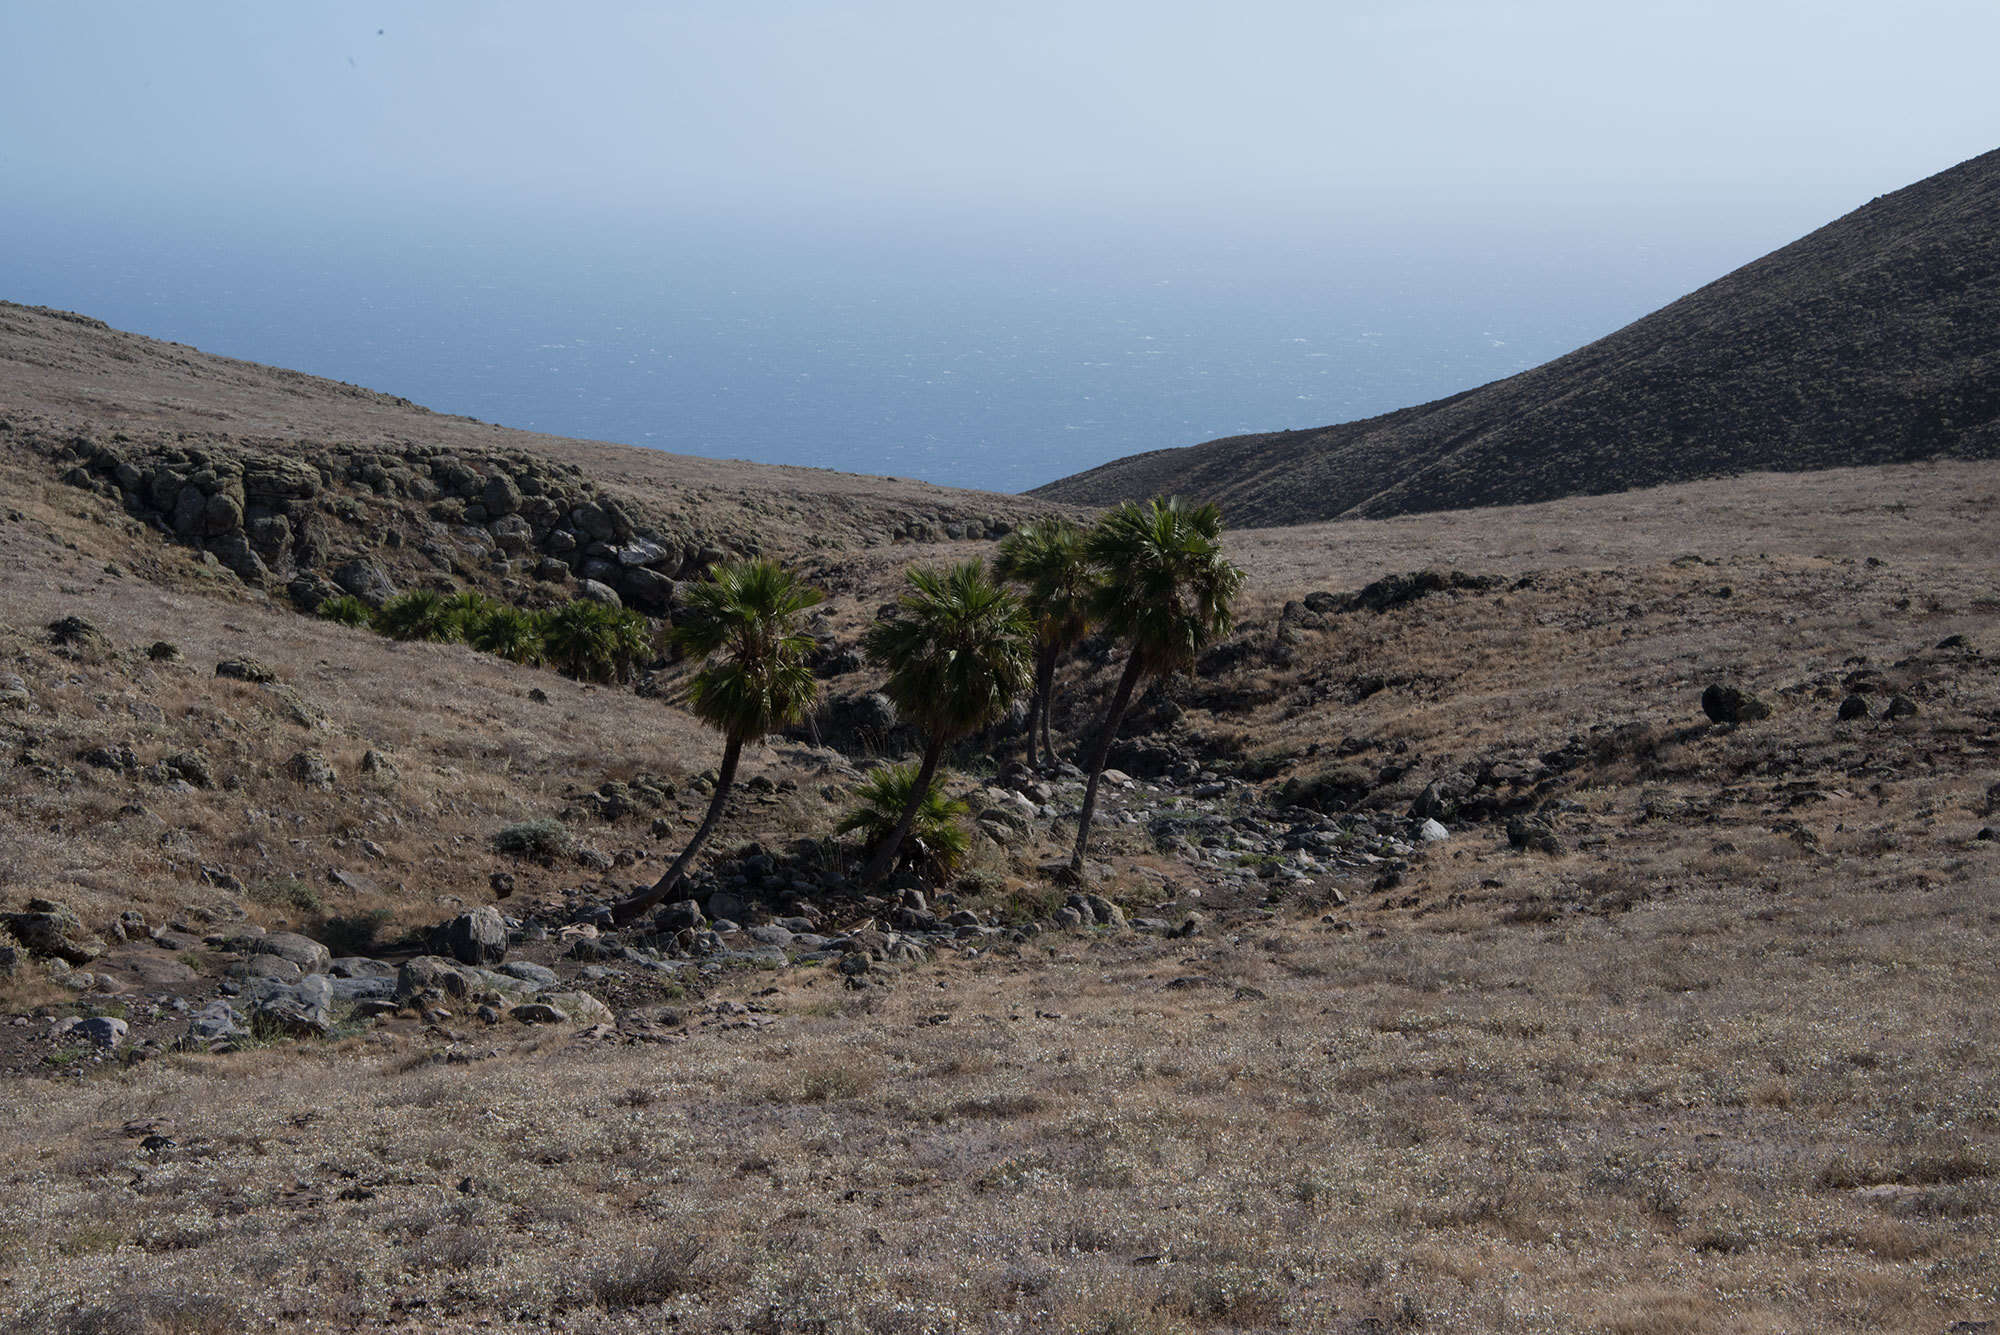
1874, 340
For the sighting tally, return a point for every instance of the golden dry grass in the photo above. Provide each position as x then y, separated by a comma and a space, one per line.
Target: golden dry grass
1727, 1062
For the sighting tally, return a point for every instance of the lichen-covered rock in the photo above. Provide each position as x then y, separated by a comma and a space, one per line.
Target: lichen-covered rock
245, 669
310, 769
53, 930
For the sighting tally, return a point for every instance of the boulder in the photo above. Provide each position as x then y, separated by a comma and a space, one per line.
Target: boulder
1853, 707
512, 534
500, 496
580, 1007
13, 691
215, 1021
303, 1009
541, 975
1729, 704
647, 590
105, 1031
366, 581
428, 973
598, 592
308, 954
1433, 832
310, 769
53, 930
477, 937
245, 669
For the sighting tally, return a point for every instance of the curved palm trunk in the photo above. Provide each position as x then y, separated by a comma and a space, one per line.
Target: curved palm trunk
1046, 687
885, 856
627, 909
1112, 718
1038, 704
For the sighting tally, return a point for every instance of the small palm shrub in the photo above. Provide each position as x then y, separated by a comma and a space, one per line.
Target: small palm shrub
347, 610
593, 642
466, 610
418, 615
937, 842
507, 632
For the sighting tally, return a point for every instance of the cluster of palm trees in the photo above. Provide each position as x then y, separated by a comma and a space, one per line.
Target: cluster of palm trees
959, 648
586, 640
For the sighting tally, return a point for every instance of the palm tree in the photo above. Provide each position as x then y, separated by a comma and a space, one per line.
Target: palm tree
1165, 587
956, 647
746, 614
1048, 558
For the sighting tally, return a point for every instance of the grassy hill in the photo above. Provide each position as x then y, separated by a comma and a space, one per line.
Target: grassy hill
1876, 339
1685, 1025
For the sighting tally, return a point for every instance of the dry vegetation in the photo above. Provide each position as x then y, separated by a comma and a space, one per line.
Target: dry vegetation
1726, 1061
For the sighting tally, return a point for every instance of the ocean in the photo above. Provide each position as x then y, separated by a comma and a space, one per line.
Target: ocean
995, 356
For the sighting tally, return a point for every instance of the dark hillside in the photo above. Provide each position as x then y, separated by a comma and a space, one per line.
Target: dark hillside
1874, 340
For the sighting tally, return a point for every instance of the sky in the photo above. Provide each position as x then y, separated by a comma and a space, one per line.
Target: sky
1482, 147
1079, 109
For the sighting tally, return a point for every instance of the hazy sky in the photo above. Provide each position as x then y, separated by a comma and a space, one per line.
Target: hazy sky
1091, 110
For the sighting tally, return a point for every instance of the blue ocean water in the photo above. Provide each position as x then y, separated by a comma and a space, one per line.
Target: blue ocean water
982, 358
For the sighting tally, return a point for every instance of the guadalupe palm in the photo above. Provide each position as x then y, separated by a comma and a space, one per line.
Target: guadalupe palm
1165, 588
746, 614
1048, 558
956, 647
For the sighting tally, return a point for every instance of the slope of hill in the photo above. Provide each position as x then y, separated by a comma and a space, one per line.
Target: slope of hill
285, 478
1684, 1025
1875, 339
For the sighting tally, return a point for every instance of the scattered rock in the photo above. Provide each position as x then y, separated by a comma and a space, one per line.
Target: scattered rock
1432, 832
1853, 707
1900, 706
13, 691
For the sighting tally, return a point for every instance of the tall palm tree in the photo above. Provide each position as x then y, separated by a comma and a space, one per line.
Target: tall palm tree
746, 615
956, 647
1164, 587
1048, 559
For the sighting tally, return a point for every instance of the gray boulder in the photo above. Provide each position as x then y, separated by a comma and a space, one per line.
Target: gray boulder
308, 954
104, 1030
215, 1021
428, 973
366, 581
598, 592
477, 937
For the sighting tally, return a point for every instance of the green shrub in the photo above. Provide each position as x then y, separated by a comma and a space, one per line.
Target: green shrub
546, 839
937, 842
509, 633
593, 642
419, 615
347, 610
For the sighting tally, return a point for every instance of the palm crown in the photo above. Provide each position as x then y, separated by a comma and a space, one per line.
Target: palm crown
1049, 560
746, 612
1164, 585
955, 648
